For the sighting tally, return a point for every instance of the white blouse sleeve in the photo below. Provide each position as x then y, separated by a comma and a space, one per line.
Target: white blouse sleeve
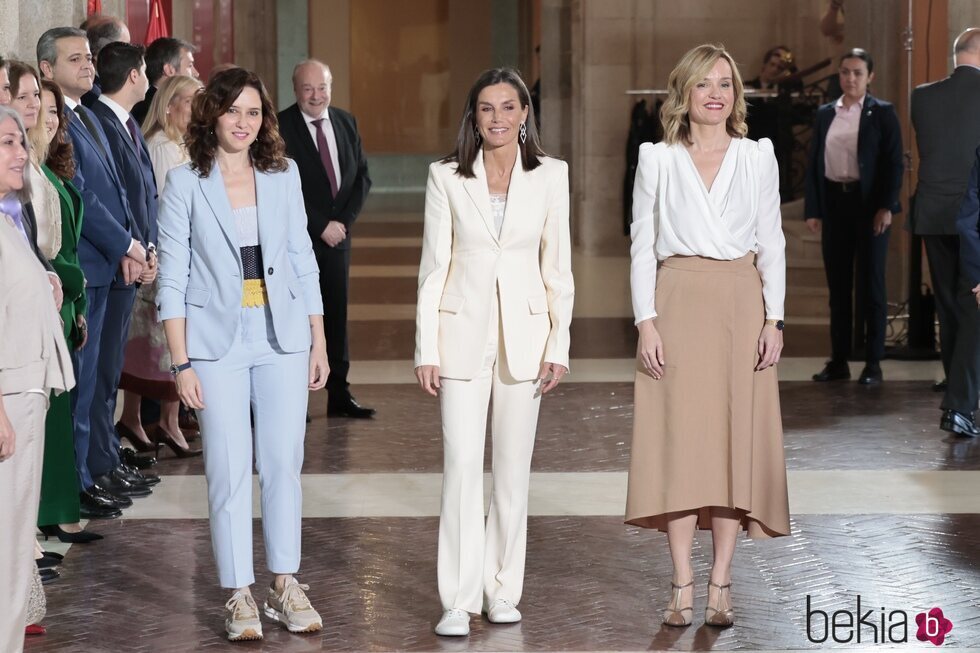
165, 155
643, 231
771, 259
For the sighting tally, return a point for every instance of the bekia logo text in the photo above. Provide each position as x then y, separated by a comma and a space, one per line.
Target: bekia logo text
879, 626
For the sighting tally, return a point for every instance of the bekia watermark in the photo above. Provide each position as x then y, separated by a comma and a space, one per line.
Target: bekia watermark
874, 625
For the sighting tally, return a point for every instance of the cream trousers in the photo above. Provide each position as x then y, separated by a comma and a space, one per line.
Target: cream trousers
479, 564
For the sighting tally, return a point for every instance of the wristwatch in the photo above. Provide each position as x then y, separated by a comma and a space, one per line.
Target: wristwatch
177, 369
779, 324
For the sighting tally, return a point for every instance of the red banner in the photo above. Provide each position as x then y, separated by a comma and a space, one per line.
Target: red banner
157, 27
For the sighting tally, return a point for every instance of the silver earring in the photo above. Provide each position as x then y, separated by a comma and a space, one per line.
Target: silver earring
476, 132
523, 133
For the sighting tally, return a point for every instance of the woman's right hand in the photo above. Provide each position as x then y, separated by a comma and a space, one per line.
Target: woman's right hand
7, 437
189, 389
650, 349
428, 376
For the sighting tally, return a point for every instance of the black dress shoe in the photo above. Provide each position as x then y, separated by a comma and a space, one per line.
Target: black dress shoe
48, 575
133, 459
939, 386
115, 484
348, 407
870, 375
833, 371
47, 562
118, 500
95, 497
959, 423
136, 477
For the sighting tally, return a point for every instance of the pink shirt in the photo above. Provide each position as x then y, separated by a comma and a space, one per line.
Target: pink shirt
840, 153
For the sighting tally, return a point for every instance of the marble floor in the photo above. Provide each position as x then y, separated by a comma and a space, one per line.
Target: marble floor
885, 508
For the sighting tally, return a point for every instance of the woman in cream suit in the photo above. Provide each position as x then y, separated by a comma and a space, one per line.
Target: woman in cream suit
494, 307
239, 297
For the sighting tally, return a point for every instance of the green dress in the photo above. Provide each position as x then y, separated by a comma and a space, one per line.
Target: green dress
59, 480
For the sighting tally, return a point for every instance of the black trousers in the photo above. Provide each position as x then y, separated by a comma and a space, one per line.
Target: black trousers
854, 260
334, 283
943, 253
963, 387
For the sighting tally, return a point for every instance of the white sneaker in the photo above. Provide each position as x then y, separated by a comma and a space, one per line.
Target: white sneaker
243, 618
502, 611
292, 608
454, 623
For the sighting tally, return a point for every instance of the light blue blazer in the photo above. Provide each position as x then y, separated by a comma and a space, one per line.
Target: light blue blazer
200, 275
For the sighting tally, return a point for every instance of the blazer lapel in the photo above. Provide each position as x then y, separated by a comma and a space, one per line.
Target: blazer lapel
516, 191
213, 189
75, 122
478, 191
344, 153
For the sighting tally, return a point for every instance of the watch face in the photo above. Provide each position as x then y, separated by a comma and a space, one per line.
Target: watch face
780, 324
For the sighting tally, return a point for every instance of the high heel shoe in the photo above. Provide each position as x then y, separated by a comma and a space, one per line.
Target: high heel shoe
81, 537
715, 617
143, 446
162, 437
676, 616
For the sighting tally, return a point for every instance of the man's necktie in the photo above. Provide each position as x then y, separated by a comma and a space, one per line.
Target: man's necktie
324, 148
133, 131
90, 126
11, 206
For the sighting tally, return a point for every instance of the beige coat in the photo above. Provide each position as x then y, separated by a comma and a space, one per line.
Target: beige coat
466, 267
33, 352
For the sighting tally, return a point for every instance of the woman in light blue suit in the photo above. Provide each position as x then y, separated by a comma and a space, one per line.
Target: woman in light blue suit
239, 297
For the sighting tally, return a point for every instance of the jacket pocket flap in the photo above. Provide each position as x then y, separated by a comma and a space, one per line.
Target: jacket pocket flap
197, 296
538, 304
451, 303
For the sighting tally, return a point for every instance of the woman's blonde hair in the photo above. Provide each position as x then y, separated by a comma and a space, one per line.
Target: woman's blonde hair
691, 69
157, 118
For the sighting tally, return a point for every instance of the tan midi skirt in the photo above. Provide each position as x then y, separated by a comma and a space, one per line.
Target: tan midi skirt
709, 432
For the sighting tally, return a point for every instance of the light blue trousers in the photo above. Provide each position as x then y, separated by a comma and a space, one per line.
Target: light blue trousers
255, 372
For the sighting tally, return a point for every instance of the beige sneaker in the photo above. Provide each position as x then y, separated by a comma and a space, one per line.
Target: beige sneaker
243, 618
292, 609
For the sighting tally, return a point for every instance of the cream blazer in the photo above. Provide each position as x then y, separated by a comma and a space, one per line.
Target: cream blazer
466, 267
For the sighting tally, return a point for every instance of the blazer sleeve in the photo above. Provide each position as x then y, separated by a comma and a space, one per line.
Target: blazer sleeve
771, 257
556, 268
174, 249
437, 249
812, 206
100, 229
891, 165
362, 181
643, 233
300, 247
968, 226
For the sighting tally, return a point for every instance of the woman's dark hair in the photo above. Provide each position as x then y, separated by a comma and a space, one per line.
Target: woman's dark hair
468, 140
863, 55
60, 157
268, 151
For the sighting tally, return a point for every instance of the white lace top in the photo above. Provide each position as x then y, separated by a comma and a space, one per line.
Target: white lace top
498, 204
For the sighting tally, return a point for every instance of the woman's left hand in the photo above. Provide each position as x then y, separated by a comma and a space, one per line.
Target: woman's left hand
555, 372
319, 367
883, 220
82, 329
7, 438
770, 347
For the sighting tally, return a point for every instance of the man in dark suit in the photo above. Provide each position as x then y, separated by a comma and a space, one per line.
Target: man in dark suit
961, 397
947, 132
327, 148
101, 31
124, 83
111, 248
165, 57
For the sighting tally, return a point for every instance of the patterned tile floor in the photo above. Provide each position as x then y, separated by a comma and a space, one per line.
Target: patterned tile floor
591, 583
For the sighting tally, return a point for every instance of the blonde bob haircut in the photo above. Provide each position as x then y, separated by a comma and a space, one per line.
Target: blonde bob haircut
692, 68
158, 116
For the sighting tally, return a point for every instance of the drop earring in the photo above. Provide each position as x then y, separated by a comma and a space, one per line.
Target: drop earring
476, 132
523, 133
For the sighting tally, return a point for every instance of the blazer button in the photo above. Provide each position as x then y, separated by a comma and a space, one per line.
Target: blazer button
270, 271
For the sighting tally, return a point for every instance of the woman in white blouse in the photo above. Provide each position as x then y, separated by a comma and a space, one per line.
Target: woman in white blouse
146, 371
708, 283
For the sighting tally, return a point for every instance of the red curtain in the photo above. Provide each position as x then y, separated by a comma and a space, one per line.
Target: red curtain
94, 7
157, 27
